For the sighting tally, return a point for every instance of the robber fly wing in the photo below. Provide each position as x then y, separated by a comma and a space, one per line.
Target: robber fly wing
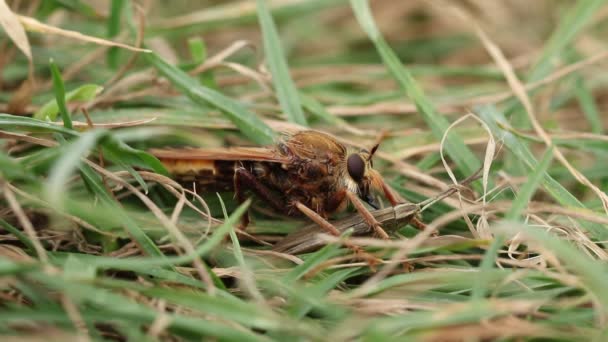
227, 154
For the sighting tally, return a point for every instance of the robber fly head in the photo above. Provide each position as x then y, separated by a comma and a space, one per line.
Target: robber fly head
362, 178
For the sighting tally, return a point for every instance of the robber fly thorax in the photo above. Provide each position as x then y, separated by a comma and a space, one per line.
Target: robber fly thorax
304, 170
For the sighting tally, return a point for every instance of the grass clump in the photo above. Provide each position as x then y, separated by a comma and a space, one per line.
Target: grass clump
97, 242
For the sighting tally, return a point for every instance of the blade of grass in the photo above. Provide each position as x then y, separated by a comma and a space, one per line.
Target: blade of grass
311, 262
119, 307
299, 309
529, 188
11, 169
198, 52
592, 272
9, 267
248, 314
249, 124
139, 263
116, 9
569, 27
588, 105
18, 234
14, 30
455, 146
13, 122
450, 279
517, 207
95, 183
316, 109
493, 118
50, 109
67, 163
247, 275
281, 79
418, 322
59, 89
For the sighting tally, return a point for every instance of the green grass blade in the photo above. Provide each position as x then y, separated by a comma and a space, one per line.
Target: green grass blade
455, 146
13, 122
592, 272
120, 152
311, 262
59, 89
18, 234
50, 109
198, 50
569, 26
492, 117
317, 110
588, 105
248, 314
249, 124
94, 182
276, 61
517, 207
11, 169
9, 267
117, 306
299, 309
67, 163
529, 188
139, 263
116, 9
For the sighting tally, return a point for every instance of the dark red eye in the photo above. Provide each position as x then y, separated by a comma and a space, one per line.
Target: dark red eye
355, 167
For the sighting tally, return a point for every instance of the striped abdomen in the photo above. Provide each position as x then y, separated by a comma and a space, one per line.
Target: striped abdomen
207, 175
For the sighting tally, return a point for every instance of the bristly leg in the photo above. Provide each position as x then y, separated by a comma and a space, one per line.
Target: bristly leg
391, 195
367, 216
318, 219
244, 180
395, 199
417, 222
331, 229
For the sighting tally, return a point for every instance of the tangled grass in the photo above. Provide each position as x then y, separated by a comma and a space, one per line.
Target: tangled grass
97, 241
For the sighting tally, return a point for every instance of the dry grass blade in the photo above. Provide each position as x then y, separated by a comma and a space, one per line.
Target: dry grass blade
520, 91
233, 10
451, 106
34, 25
504, 328
14, 29
167, 223
76, 318
85, 125
221, 56
25, 222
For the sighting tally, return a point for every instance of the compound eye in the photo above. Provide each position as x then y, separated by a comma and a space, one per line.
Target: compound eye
355, 167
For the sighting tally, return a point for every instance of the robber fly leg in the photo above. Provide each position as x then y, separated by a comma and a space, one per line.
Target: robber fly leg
331, 229
248, 181
391, 195
367, 216
318, 219
395, 199
244, 180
